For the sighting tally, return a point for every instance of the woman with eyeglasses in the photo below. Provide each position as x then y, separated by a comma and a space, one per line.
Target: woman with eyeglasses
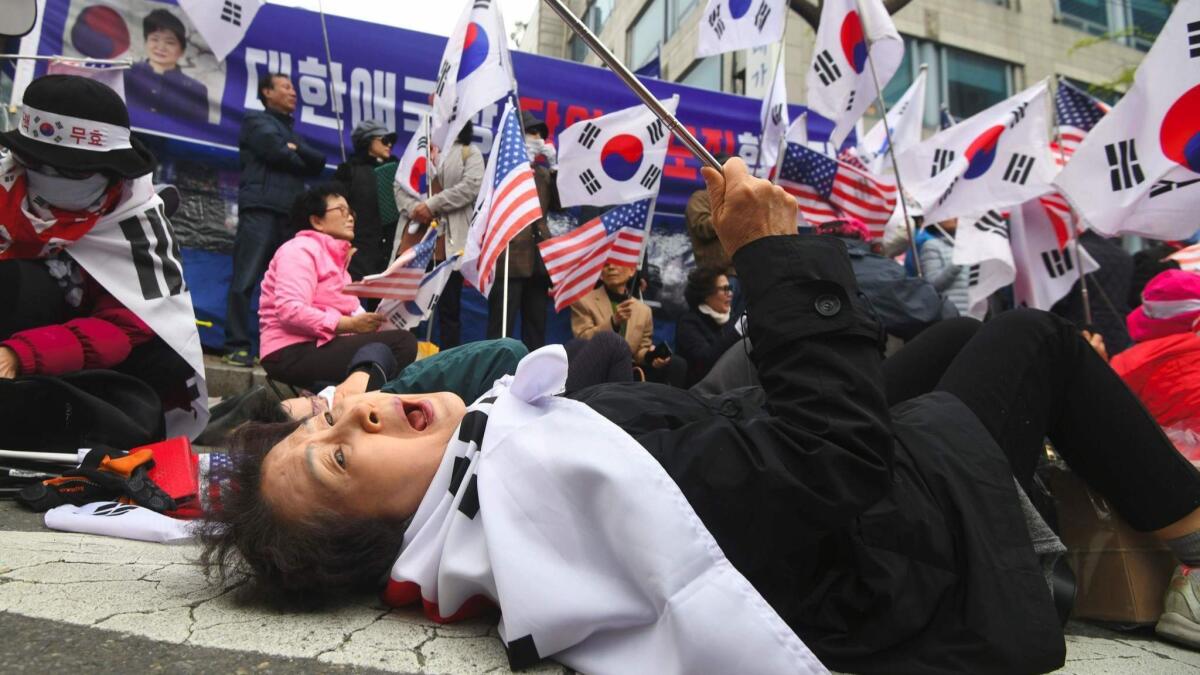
308, 328
372, 237
707, 329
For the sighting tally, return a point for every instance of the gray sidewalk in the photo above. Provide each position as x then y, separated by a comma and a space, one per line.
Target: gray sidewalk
99, 604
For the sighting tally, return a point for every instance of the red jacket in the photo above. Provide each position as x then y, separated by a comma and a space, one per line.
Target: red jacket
101, 337
1165, 375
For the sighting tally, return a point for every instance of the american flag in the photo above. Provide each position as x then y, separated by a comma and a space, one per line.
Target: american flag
828, 189
574, 259
1077, 114
1061, 216
509, 205
402, 278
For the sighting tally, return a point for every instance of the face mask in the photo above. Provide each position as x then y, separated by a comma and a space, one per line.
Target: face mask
72, 194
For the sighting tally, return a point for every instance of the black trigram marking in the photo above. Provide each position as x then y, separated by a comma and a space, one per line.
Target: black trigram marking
113, 509
522, 653
827, 69
655, 131
850, 103
760, 19
482, 4
941, 160
949, 191
590, 183
469, 504
1124, 169
716, 22
232, 13
1162, 187
993, 223
651, 176
589, 135
442, 73
1018, 168
1193, 30
1018, 115
973, 273
777, 114
461, 464
163, 257
471, 429
1057, 262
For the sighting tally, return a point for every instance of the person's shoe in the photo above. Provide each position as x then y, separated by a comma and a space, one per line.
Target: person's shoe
1180, 620
240, 358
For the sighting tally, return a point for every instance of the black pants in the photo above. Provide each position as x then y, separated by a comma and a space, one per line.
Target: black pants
527, 297
259, 234
311, 367
1028, 375
449, 312
605, 357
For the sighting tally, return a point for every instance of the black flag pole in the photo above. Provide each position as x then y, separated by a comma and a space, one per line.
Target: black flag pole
1062, 153
589, 38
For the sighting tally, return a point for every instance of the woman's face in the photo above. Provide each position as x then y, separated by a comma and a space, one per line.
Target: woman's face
163, 49
721, 298
338, 221
379, 148
615, 277
373, 455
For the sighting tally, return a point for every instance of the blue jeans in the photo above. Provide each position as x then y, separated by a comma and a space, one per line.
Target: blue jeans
259, 234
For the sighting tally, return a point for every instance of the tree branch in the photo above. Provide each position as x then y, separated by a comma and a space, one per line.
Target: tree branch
810, 10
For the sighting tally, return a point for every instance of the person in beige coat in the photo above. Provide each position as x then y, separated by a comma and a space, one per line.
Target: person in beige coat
455, 186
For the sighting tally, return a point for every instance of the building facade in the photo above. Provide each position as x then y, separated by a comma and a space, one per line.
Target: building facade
978, 52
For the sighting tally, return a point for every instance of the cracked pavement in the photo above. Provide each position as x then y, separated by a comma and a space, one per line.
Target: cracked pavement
108, 605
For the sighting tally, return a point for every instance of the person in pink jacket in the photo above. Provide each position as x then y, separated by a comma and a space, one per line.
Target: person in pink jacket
309, 329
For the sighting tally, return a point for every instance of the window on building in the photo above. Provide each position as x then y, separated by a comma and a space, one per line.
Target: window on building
904, 77
1086, 15
676, 11
704, 73
1131, 22
974, 82
597, 13
646, 34
1147, 17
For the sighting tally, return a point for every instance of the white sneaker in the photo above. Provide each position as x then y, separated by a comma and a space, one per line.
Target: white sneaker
1180, 620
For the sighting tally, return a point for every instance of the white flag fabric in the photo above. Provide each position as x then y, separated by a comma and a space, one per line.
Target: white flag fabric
1138, 170
223, 24
476, 70
127, 521
997, 158
840, 84
593, 555
112, 77
982, 246
774, 120
408, 314
1045, 271
613, 159
412, 175
729, 25
906, 119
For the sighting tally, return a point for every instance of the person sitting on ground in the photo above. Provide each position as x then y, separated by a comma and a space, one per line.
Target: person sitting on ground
889, 539
309, 328
611, 306
704, 333
90, 274
904, 305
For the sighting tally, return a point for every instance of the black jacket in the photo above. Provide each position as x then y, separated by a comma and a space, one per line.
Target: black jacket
272, 173
1108, 289
905, 305
373, 244
701, 341
890, 541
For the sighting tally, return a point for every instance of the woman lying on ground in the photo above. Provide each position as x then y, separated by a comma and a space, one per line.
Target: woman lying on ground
309, 328
617, 528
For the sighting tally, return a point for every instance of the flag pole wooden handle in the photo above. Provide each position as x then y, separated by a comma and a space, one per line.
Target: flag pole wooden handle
672, 122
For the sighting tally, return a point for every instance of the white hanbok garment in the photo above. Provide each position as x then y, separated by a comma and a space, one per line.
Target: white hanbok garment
594, 556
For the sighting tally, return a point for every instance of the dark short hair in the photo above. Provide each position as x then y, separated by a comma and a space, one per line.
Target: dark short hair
161, 19
700, 284
314, 203
303, 562
467, 135
267, 82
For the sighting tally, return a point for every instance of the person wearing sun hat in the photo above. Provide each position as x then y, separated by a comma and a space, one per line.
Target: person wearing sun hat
90, 271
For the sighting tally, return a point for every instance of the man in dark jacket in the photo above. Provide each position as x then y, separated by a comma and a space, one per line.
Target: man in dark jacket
372, 148
275, 161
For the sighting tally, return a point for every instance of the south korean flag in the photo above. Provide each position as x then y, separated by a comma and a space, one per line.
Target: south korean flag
1138, 170
997, 158
729, 25
223, 23
982, 248
614, 159
1046, 266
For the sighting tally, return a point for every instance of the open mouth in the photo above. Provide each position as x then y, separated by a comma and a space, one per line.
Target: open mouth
418, 413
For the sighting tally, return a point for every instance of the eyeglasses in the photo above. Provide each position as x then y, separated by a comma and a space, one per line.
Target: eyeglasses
386, 141
347, 212
724, 289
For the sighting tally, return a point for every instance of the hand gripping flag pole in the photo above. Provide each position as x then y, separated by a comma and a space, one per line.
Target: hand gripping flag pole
589, 38
1071, 230
887, 130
